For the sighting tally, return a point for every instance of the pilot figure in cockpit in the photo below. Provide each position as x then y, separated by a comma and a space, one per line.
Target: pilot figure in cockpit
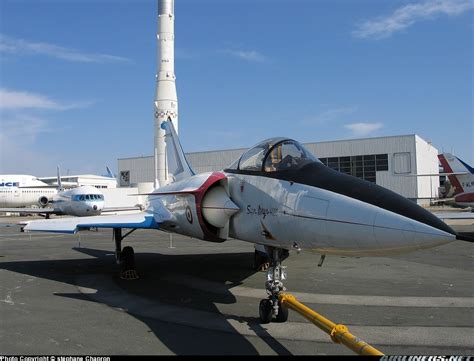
288, 162
275, 162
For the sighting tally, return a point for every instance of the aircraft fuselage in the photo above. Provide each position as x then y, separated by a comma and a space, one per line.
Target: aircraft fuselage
286, 214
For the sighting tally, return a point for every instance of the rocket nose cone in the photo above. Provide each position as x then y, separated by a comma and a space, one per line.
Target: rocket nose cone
165, 7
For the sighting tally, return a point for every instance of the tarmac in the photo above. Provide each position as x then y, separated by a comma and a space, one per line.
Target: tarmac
62, 295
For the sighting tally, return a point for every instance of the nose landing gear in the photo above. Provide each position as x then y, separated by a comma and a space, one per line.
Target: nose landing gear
271, 307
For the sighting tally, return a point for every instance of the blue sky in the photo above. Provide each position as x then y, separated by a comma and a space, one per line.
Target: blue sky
77, 78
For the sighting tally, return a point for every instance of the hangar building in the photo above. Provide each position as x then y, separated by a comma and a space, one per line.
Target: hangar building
392, 162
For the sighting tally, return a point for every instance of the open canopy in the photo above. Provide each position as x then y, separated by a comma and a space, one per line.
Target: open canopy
275, 154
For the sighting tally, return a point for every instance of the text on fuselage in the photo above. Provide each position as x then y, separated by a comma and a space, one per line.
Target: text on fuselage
261, 211
9, 184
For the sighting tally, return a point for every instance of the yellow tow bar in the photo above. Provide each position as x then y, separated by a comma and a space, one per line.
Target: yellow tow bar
339, 333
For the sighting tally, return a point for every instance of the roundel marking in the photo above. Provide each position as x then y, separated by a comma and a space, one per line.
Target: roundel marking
189, 215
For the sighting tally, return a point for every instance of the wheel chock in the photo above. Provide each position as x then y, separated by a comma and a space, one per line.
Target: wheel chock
129, 275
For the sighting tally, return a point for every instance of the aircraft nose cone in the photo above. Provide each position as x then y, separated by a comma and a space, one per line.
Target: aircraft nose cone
400, 205
371, 193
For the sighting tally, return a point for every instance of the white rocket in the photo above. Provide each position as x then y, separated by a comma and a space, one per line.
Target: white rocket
166, 101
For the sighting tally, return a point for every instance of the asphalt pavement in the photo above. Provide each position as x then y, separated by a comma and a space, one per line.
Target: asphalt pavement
62, 294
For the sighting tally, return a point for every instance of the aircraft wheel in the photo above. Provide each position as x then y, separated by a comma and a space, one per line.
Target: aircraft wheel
128, 259
265, 310
282, 313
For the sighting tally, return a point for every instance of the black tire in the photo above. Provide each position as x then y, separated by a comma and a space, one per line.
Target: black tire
265, 311
282, 313
127, 258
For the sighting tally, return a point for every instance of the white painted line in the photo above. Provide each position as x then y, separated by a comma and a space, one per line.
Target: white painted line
354, 300
113, 296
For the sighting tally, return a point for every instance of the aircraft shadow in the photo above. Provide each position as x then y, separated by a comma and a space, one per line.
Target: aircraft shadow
166, 291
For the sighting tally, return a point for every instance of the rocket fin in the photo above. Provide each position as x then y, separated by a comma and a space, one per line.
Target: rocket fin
178, 166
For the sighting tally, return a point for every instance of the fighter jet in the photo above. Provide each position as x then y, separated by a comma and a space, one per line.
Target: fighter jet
277, 195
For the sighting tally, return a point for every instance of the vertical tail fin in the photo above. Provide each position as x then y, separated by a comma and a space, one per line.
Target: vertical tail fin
60, 186
178, 166
109, 172
462, 172
466, 166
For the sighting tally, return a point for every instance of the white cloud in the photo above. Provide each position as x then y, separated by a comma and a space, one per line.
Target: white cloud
23, 128
252, 55
20, 145
20, 46
22, 131
408, 15
329, 115
14, 100
363, 129
19, 100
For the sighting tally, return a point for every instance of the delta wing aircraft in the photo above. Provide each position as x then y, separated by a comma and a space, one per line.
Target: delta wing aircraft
277, 194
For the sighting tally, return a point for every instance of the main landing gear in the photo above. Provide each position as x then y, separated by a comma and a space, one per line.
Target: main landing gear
271, 307
125, 257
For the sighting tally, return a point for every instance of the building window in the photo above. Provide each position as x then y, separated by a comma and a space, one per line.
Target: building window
381, 162
360, 166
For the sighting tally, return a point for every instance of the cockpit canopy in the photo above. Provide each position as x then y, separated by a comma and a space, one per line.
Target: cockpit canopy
87, 197
275, 154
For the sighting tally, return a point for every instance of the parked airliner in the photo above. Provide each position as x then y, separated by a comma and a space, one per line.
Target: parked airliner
22, 190
279, 195
80, 201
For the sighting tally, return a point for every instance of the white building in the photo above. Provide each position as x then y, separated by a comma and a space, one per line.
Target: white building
392, 162
71, 181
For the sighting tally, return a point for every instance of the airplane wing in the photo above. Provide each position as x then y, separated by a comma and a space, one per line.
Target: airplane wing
442, 200
432, 174
145, 220
29, 210
454, 215
121, 209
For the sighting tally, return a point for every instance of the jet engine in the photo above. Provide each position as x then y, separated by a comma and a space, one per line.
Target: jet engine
200, 206
43, 201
